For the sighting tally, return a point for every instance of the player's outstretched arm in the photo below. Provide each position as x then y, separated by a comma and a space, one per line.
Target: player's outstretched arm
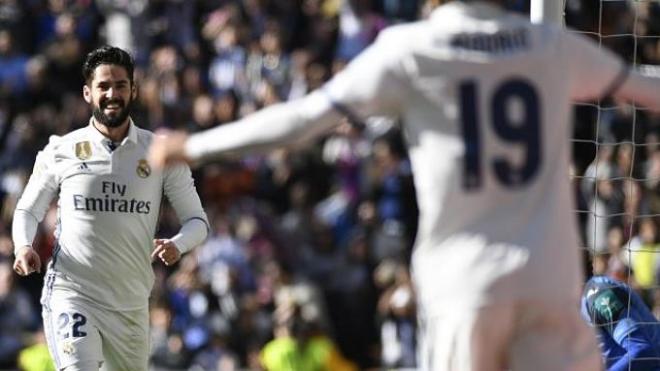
274, 126
370, 84
643, 87
597, 73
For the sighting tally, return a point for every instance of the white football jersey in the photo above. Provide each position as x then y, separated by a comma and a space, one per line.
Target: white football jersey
485, 100
108, 208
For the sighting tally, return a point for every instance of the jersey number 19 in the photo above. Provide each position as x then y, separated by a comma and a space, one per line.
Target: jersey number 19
523, 130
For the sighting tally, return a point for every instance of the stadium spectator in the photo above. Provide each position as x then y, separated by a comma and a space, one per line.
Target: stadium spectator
36, 357
18, 316
643, 253
396, 314
602, 188
300, 344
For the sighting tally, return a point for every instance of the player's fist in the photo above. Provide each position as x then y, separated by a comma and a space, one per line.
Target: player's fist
27, 261
167, 147
166, 251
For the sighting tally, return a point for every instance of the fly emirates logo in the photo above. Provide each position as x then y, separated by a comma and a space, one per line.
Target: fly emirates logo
112, 201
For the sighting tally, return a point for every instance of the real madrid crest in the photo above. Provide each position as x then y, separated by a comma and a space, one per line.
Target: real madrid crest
143, 169
83, 150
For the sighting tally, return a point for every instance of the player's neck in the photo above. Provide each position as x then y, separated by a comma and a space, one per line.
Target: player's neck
116, 134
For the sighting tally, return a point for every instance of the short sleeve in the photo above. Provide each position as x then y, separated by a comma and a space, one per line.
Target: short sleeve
373, 83
595, 72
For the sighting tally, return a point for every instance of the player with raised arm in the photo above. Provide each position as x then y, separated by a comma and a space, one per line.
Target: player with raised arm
485, 101
96, 289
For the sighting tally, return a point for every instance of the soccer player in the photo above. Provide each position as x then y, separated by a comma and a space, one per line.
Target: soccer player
485, 101
96, 289
629, 334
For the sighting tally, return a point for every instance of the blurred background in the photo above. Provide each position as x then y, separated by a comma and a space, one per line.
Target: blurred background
310, 243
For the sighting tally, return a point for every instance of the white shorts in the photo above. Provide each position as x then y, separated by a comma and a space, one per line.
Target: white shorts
522, 336
78, 332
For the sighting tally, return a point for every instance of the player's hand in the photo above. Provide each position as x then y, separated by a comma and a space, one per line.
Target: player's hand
27, 261
166, 251
167, 147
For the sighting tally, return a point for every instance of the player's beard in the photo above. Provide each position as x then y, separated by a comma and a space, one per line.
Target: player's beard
113, 120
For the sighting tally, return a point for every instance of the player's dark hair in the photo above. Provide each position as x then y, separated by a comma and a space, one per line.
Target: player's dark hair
107, 55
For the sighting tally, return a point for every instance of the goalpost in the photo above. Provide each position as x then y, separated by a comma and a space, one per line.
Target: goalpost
551, 11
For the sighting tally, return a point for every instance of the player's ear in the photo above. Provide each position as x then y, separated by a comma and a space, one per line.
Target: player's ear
87, 93
134, 90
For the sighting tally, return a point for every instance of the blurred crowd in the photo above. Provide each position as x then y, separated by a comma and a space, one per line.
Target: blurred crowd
309, 245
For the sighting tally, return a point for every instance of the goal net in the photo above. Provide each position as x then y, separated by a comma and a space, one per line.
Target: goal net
616, 169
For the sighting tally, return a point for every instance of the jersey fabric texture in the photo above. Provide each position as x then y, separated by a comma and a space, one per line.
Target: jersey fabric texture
108, 208
629, 333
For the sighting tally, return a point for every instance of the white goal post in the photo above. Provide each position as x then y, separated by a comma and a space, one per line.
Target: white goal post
551, 11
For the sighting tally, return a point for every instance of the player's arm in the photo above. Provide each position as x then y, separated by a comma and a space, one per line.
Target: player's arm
640, 353
277, 125
179, 188
367, 86
597, 73
30, 211
642, 85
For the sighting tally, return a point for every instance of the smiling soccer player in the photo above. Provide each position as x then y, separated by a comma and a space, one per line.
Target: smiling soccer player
96, 290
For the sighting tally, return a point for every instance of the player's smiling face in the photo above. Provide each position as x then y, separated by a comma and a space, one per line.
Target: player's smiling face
111, 93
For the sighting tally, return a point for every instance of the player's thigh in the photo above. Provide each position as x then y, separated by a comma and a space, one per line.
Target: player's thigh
553, 337
125, 340
71, 331
465, 340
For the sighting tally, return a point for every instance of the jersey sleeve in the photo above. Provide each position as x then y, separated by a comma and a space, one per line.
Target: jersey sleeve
40, 190
594, 72
179, 188
371, 84
374, 83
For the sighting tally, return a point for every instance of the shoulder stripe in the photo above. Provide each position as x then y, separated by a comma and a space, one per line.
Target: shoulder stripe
345, 110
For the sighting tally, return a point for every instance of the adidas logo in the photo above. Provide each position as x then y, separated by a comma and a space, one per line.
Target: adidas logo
83, 167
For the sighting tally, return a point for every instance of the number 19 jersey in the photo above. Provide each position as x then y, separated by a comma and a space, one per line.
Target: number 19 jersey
485, 99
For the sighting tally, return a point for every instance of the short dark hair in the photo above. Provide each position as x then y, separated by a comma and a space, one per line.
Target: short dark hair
107, 55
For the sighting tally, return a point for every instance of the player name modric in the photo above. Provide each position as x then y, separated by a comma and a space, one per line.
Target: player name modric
499, 42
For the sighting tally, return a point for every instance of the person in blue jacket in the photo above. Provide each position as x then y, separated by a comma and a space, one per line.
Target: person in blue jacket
628, 332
